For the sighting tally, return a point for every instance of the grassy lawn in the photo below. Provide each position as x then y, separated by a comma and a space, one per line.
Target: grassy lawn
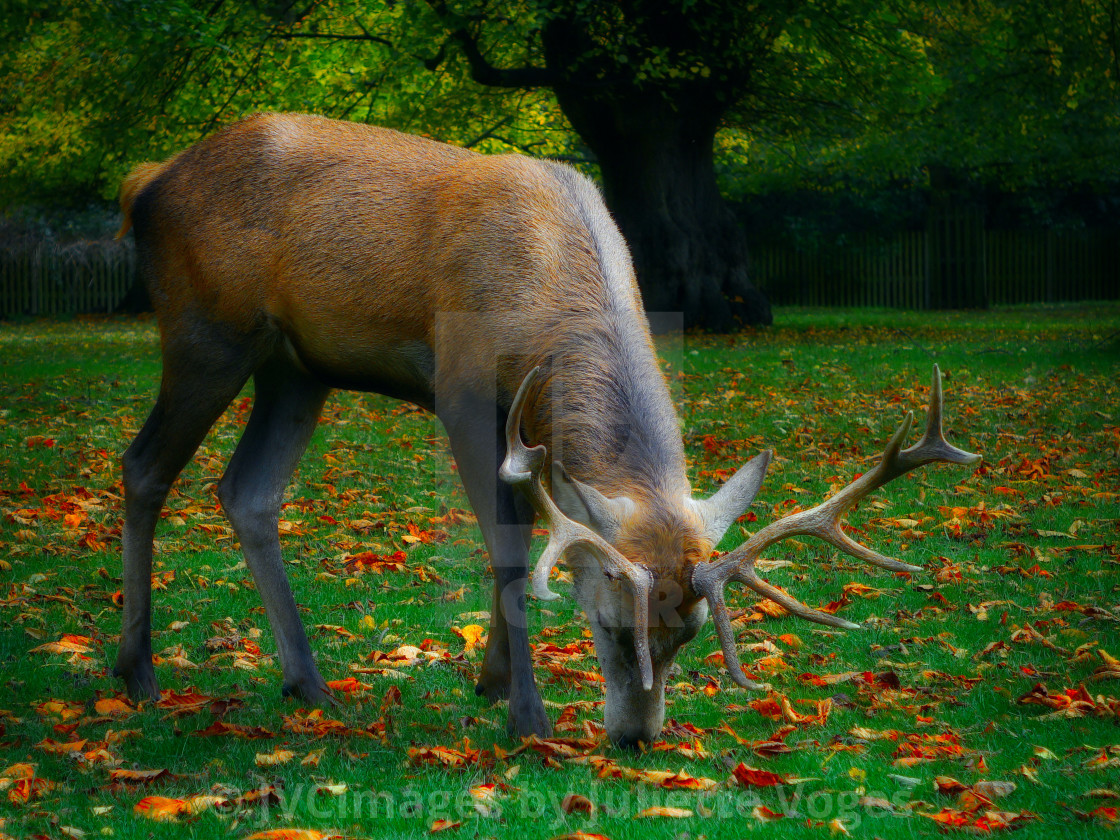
995, 666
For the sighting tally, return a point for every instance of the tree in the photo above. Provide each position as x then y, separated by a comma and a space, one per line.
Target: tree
991, 96
648, 85
645, 84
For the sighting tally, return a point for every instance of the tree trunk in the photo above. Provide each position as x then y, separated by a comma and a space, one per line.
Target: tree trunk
659, 181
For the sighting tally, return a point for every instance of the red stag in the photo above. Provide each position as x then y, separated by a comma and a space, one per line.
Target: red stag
494, 291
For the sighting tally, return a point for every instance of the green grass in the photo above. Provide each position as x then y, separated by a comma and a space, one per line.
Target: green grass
1037, 524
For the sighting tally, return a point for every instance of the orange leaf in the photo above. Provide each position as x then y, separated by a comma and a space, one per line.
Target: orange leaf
18, 771
764, 814
676, 781
161, 808
113, 707
137, 777
753, 777
349, 685
277, 756
164, 808
24, 790
1107, 813
447, 756
948, 785
61, 748
67, 644
184, 702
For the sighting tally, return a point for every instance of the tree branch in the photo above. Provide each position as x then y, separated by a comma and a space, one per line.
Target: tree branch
488, 133
482, 71
330, 36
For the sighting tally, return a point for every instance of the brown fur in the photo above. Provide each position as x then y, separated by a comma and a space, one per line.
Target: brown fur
351, 240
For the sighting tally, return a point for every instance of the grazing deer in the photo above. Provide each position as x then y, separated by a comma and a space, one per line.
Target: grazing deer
494, 291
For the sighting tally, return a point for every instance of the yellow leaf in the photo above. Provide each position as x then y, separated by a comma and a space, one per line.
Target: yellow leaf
663, 811
312, 759
277, 756
471, 635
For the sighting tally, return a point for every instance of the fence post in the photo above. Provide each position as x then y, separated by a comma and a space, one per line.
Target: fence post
958, 279
1050, 265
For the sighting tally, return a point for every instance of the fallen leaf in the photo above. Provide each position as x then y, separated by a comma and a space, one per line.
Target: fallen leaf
165, 808
574, 803
277, 756
753, 777
664, 811
471, 635
764, 814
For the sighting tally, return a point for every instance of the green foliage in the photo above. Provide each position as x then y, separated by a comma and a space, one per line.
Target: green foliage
90, 89
1001, 96
841, 96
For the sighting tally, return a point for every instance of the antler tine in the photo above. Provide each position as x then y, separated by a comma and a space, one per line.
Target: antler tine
708, 580
521, 462
933, 446
749, 577
823, 521
522, 467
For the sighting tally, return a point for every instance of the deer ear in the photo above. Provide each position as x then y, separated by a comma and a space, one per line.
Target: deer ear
733, 498
588, 506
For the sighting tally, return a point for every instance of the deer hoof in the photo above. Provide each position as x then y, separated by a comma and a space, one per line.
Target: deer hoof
528, 718
313, 691
139, 680
493, 690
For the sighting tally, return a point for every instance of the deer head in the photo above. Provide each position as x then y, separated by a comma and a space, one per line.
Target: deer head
641, 570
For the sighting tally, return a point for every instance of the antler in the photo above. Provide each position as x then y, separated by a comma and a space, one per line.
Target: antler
522, 468
823, 521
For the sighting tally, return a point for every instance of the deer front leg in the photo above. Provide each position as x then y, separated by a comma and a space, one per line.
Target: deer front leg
506, 524
509, 600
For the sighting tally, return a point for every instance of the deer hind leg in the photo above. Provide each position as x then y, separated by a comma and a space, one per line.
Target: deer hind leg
477, 441
198, 384
285, 411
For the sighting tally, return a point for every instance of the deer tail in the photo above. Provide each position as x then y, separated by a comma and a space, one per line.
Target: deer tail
140, 176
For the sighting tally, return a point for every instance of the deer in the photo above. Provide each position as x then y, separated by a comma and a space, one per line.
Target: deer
496, 292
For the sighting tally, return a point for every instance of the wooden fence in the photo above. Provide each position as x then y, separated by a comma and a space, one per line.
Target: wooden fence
42, 278
917, 270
